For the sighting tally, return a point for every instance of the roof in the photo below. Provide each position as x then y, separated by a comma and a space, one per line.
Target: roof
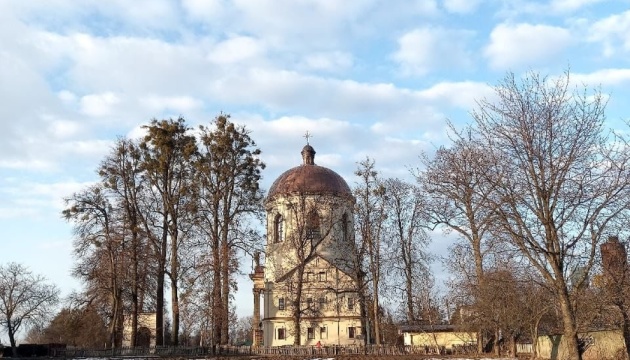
309, 179
426, 328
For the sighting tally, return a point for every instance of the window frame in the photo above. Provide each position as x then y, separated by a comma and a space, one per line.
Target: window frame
322, 302
278, 229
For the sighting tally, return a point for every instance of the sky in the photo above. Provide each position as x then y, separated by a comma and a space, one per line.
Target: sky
364, 77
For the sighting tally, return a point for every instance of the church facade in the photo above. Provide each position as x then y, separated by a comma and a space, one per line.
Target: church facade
306, 292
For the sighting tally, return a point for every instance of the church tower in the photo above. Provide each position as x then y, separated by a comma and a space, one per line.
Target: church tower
308, 284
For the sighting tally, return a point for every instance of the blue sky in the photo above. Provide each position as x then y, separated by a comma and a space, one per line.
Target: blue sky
365, 77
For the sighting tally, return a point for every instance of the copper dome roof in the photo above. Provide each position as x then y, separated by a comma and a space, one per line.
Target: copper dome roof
308, 179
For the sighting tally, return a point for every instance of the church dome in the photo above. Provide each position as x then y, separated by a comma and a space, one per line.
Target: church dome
309, 179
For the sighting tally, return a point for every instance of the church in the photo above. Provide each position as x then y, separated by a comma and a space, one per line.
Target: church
307, 287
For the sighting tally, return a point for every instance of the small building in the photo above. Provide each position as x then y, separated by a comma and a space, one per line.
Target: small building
600, 344
445, 337
145, 336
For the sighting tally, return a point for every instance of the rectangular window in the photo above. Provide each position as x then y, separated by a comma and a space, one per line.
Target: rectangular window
321, 276
281, 334
323, 332
350, 303
322, 302
309, 277
310, 333
281, 304
351, 332
309, 303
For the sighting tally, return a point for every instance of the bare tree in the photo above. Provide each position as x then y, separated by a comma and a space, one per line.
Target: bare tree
559, 179
25, 299
241, 330
370, 218
458, 199
406, 240
98, 246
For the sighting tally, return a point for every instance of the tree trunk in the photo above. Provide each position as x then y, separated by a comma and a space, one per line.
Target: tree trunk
497, 347
625, 327
175, 310
174, 285
225, 284
570, 327
476, 245
11, 337
134, 291
159, 307
513, 346
217, 310
377, 322
297, 310
362, 305
411, 316
534, 333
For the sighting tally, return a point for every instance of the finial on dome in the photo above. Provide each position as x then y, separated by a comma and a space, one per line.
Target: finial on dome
308, 155
307, 136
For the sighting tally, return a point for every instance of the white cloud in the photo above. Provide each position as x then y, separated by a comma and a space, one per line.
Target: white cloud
571, 5
422, 50
237, 49
604, 77
94, 149
67, 97
328, 61
99, 104
460, 94
613, 33
36, 198
181, 104
461, 6
64, 128
30, 164
525, 45
203, 10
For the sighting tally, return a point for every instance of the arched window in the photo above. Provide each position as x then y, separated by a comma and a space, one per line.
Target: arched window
278, 227
344, 228
312, 227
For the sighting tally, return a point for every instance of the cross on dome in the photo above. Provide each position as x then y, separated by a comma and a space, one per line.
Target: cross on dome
307, 136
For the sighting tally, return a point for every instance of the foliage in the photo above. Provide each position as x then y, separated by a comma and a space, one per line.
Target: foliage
83, 328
